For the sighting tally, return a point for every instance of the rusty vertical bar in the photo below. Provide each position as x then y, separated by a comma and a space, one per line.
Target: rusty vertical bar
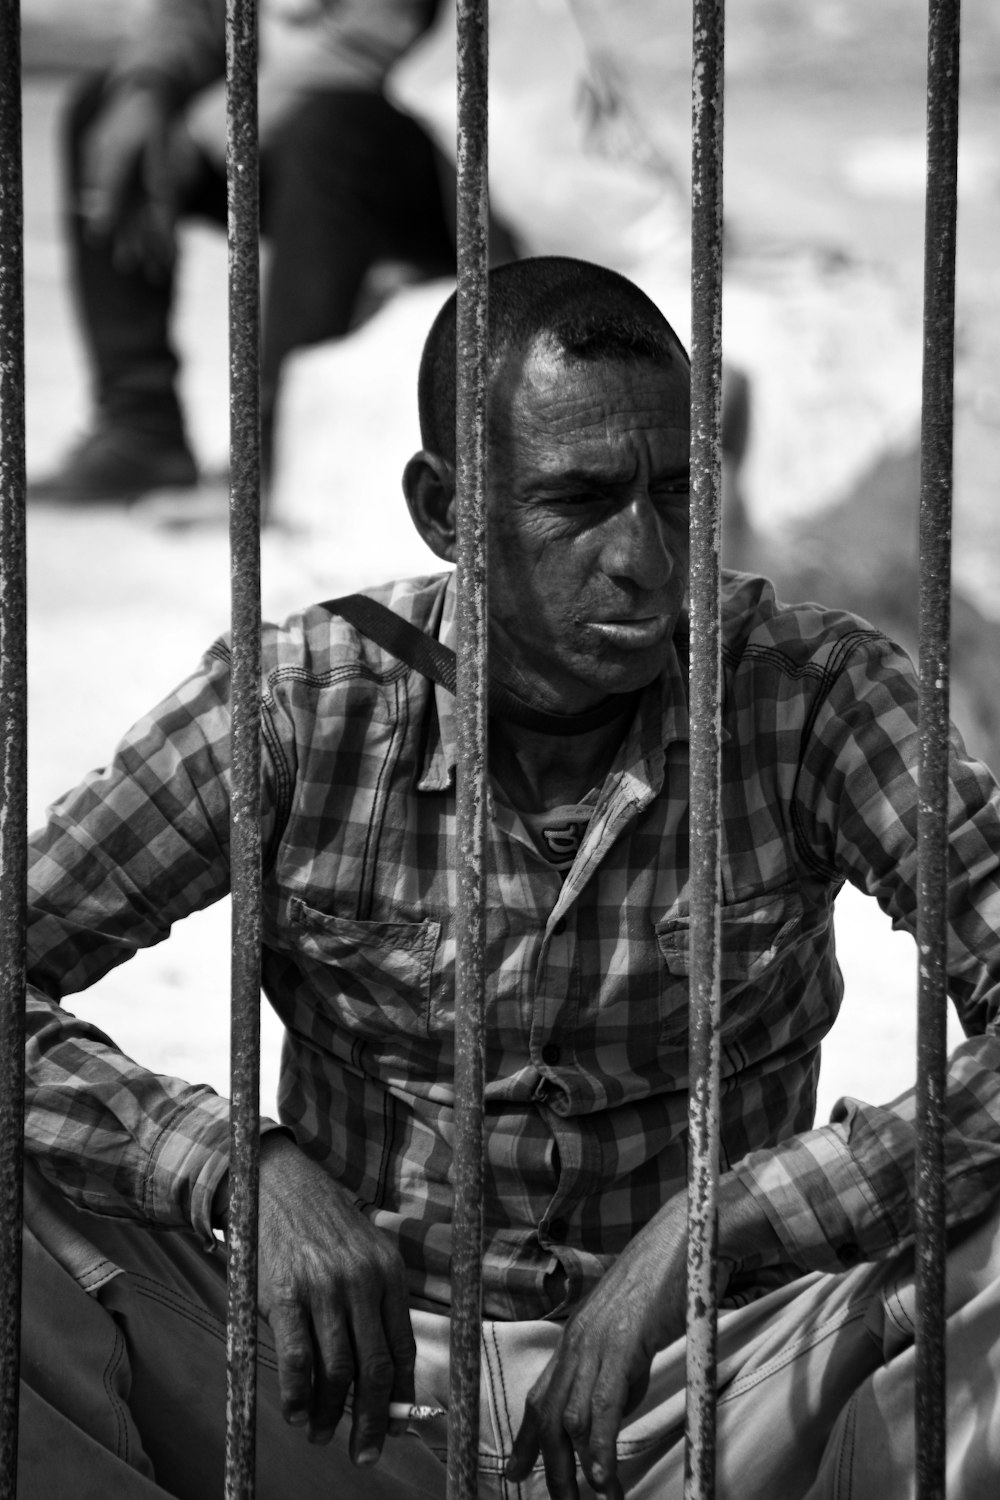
13, 729
471, 355
705, 697
244, 541
940, 234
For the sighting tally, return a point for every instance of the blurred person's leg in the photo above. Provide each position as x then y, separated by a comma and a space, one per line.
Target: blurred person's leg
350, 183
136, 440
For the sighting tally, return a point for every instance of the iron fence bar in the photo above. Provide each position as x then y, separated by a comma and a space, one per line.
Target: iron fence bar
705, 724
471, 355
937, 411
244, 542
13, 708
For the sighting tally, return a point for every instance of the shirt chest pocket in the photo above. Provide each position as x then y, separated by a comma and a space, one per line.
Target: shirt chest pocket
374, 976
756, 937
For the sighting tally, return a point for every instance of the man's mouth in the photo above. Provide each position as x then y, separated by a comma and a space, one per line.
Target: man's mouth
633, 632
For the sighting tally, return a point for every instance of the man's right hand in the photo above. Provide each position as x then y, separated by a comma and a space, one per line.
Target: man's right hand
333, 1289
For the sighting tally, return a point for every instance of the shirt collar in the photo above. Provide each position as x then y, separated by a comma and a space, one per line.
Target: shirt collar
441, 754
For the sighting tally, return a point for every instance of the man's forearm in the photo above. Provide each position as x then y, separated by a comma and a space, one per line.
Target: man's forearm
575, 1409
746, 1235
115, 1137
843, 1192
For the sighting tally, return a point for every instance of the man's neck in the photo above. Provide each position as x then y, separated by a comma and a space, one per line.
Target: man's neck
538, 771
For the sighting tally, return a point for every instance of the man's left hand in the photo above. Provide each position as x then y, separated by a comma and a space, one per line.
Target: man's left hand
601, 1369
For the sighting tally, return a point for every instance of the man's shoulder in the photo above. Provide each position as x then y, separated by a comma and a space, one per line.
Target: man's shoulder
758, 626
319, 643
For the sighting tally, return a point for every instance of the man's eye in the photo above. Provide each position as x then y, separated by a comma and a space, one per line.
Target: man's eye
672, 489
580, 499
672, 497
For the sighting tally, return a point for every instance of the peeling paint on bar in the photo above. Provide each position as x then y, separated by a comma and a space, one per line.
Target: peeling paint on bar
13, 726
935, 619
471, 351
706, 489
244, 540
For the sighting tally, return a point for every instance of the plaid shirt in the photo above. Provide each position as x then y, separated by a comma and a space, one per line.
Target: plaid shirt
588, 971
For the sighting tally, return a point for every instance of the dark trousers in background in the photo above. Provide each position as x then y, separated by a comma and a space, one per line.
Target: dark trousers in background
347, 181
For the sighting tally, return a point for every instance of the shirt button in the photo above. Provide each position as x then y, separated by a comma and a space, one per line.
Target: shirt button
550, 1054
559, 927
558, 1229
849, 1255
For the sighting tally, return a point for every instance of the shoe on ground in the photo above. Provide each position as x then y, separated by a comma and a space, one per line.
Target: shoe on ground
111, 466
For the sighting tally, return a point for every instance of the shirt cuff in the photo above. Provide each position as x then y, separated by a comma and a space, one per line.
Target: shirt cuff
187, 1163
826, 1209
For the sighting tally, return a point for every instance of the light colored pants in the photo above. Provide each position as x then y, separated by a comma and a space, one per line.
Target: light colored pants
123, 1384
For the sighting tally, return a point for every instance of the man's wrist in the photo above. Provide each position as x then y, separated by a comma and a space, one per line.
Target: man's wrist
746, 1235
220, 1205
275, 1139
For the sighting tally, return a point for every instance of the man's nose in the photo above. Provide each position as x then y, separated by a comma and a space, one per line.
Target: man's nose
637, 547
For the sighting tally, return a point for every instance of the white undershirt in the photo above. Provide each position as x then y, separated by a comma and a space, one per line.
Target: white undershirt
558, 832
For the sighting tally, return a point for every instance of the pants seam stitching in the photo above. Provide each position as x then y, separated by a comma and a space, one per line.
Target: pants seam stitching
123, 1446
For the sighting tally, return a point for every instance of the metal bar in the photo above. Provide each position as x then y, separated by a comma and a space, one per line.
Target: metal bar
244, 541
935, 618
13, 710
471, 354
705, 698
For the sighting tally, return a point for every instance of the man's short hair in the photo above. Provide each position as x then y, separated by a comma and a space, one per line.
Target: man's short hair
589, 311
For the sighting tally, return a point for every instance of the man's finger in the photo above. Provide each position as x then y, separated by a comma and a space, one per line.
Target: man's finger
399, 1337
525, 1450
600, 1457
541, 1432
568, 1432
294, 1346
540, 1435
334, 1372
375, 1374
559, 1457
528, 1438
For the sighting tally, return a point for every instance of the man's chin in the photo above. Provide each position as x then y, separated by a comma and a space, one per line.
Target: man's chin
626, 660
593, 669
627, 674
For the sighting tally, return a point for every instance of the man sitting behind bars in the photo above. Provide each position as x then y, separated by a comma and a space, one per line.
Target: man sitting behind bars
588, 953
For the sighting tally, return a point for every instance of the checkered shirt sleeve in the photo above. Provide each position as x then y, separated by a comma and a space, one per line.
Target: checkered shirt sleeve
137, 846
844, 1192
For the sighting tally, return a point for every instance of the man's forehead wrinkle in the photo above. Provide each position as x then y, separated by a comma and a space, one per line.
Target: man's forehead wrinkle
603, 421
594, 438
553, 411
643, 391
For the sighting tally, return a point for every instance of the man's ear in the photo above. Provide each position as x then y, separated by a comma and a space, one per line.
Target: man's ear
429, 487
